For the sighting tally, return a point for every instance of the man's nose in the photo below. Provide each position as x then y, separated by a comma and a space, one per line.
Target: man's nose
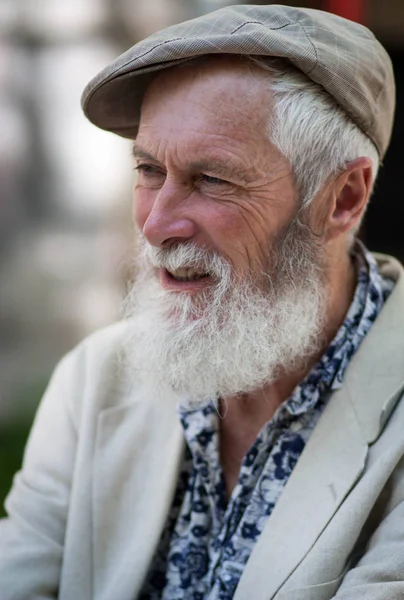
169, 221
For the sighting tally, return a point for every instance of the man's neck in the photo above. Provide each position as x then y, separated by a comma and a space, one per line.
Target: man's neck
244, 415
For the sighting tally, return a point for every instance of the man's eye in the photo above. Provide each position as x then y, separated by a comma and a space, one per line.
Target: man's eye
148, 170
212, 180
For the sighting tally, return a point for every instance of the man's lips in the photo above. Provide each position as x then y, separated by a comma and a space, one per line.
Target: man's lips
169, 282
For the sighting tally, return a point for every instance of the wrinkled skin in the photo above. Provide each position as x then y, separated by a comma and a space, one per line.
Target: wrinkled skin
207, 170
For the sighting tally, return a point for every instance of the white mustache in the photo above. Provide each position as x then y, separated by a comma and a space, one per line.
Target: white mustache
188, 256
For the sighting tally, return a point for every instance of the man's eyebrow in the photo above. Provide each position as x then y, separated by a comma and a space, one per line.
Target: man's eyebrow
218, 167
138, 152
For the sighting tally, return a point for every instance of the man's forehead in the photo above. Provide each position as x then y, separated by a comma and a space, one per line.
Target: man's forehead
217, 71
222, 90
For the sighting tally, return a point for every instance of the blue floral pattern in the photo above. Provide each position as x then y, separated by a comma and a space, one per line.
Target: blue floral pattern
208, 540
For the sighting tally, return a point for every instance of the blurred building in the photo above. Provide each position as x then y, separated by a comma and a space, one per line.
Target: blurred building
65, 186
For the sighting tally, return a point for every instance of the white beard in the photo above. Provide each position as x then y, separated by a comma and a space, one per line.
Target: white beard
234, 336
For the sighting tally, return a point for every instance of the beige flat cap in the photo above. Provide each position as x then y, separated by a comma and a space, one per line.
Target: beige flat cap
342, 56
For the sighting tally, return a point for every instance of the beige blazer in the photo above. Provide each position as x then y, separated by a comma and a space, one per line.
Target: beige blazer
100, 469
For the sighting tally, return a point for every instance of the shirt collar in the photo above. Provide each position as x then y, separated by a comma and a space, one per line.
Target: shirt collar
327, 375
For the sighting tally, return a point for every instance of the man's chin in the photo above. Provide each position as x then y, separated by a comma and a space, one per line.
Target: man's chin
189, 315
187, 307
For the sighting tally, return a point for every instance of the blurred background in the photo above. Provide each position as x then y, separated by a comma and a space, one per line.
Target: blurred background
65, 187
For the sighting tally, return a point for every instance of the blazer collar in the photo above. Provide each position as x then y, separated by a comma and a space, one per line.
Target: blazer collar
375, 377
335, 455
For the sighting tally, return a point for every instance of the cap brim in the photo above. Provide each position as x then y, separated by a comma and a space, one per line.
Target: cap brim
115, 103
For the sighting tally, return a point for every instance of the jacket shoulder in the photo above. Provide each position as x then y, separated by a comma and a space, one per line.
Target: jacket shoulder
94, 375
104, 345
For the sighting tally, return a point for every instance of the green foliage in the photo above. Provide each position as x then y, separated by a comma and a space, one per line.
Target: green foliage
14, 433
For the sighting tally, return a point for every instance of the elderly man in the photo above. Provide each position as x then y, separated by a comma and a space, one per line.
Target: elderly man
240, 433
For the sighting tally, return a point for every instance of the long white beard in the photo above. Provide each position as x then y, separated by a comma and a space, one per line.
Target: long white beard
236, 335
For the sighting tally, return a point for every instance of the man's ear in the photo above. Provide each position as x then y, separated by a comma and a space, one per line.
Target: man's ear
347, 198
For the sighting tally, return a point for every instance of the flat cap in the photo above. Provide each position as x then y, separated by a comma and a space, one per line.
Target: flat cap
343, 57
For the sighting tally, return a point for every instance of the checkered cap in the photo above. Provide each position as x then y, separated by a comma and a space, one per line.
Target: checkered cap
342, 56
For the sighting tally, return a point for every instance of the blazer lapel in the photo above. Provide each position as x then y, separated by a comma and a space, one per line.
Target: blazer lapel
331, 463
375, 377
138, 455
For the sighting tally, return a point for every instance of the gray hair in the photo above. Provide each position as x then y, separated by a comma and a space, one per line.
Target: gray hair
316, 136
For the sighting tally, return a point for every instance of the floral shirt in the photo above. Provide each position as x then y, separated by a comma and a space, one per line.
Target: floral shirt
208, 539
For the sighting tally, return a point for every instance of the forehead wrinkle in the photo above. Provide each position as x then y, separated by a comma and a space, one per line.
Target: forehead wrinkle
237, 94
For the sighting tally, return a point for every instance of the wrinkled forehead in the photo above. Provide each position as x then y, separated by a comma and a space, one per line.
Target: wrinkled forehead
221, 91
